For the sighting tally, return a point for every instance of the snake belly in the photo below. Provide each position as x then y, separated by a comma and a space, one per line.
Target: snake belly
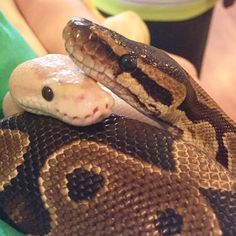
122, 176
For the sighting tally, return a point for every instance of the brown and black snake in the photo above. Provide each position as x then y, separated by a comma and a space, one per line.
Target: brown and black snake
121, 176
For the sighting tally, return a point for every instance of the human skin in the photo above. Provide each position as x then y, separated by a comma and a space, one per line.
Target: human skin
48, 18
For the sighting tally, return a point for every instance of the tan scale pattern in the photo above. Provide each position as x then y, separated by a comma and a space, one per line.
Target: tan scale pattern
136, 88
13, 145
116, 45
202, 134
127, 204
230, 143
193, 163
177, 90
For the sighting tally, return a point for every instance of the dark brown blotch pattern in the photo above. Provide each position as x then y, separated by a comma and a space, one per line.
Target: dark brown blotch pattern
168, 222
132, 193
134, 188
83, 184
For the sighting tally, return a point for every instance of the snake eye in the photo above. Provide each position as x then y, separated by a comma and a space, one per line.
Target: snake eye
128, 63
47, 93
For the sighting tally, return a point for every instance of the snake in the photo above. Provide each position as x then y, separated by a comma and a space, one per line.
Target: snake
53, 85
121, 176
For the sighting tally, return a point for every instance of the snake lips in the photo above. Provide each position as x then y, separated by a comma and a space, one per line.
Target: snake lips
52, 85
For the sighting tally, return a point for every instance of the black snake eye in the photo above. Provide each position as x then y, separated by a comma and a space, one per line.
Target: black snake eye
128, 63
47, 93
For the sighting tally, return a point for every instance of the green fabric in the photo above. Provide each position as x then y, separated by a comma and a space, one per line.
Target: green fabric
6, 230
13, 51
157, 12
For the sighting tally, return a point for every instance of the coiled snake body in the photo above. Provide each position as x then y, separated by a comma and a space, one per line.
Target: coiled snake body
121, 176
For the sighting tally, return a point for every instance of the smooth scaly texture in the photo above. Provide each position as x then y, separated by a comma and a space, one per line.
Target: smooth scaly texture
121, 176
118, 176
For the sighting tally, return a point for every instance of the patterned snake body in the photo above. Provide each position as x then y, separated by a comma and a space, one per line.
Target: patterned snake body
121, 176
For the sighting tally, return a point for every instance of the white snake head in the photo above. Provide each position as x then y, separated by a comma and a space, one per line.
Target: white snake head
53, 85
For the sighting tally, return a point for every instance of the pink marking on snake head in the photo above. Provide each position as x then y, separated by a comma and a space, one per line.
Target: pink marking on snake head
96, 109
93, 57
87, 116
75, 117
80, 98
82, 49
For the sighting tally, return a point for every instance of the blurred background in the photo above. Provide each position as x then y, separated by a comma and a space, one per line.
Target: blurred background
218, 75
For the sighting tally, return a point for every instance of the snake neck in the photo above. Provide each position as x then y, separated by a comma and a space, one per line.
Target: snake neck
206, 125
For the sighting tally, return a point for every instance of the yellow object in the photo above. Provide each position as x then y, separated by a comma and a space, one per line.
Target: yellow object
89, 4
127, 23
153, 11
130, 25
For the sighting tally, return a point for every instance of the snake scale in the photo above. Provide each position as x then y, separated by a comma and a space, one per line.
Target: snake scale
121, 176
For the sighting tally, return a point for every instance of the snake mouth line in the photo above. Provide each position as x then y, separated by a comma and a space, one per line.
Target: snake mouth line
77, 117
94, 115
101, 76
66, 115
106, 80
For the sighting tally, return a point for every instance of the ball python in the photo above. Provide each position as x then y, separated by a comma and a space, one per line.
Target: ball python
122, 176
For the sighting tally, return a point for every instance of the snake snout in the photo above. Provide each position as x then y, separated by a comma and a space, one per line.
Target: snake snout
81, 22
89, 51
78, 29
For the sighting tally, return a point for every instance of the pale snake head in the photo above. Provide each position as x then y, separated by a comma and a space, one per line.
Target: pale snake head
53, 85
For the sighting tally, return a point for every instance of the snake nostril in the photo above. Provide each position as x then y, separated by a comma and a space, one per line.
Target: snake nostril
96, 109
81, 22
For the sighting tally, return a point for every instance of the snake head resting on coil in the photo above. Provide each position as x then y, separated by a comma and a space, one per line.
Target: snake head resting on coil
144, 76
54, 86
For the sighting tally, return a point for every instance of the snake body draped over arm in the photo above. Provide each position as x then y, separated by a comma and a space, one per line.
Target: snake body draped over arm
122, 176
